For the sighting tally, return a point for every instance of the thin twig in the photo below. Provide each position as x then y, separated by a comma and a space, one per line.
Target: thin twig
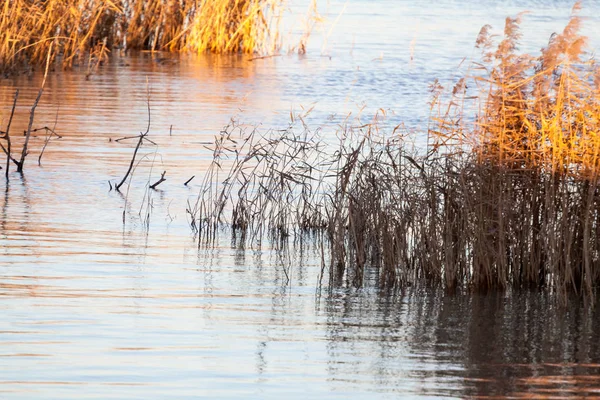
32, 113
137, 147
51, 130
189, 180
135, 137
7, 134
158, 182
48, 137
142, 136
264, 57
21, 163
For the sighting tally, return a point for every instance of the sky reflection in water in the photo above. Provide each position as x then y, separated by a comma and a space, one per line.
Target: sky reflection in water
92, 307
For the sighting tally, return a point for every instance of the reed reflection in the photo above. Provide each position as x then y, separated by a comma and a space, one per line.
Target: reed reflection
463, 345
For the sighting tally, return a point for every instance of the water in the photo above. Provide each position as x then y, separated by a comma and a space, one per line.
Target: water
94, 307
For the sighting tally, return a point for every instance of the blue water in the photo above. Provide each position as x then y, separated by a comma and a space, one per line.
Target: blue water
94, 307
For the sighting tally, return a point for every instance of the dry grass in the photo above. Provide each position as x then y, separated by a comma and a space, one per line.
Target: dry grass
246, 26
536, 147
29, 28
533, 112
79, 28
503, 197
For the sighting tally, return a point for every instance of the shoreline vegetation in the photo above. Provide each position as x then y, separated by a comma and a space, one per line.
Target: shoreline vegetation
86, 31
505, 195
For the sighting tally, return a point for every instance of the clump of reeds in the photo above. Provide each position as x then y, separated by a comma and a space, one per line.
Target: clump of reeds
246, 26
273, 185
536, 146
504, 197
373, 200
88, 28
29, 29
534, 112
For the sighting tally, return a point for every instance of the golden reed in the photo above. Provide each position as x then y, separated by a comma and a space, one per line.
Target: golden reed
78, 28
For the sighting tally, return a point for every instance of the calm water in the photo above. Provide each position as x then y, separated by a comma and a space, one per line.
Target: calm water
92, 307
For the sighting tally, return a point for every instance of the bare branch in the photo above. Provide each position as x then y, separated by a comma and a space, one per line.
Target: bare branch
158, 182
7, 134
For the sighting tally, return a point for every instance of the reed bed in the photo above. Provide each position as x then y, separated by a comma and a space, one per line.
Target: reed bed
505, 194
536, 144
83, 30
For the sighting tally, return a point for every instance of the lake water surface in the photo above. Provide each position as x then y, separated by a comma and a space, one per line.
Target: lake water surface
98, 302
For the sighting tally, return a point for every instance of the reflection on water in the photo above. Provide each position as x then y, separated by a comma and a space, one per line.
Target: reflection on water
475, 346
194, 336
94, 307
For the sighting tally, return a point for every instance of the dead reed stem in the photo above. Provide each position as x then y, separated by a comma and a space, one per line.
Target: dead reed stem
6, 135
49, 134
159, 181
24, 151
7, 151
21, 162
141, 137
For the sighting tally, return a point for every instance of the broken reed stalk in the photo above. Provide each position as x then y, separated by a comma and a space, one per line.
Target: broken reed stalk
509, 200
7, 134
49, 134
24, 152
141, 137
137, 147
158, 182
189, 180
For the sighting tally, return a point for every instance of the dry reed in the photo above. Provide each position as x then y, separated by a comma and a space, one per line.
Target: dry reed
85, 30
536, 147
505, 197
